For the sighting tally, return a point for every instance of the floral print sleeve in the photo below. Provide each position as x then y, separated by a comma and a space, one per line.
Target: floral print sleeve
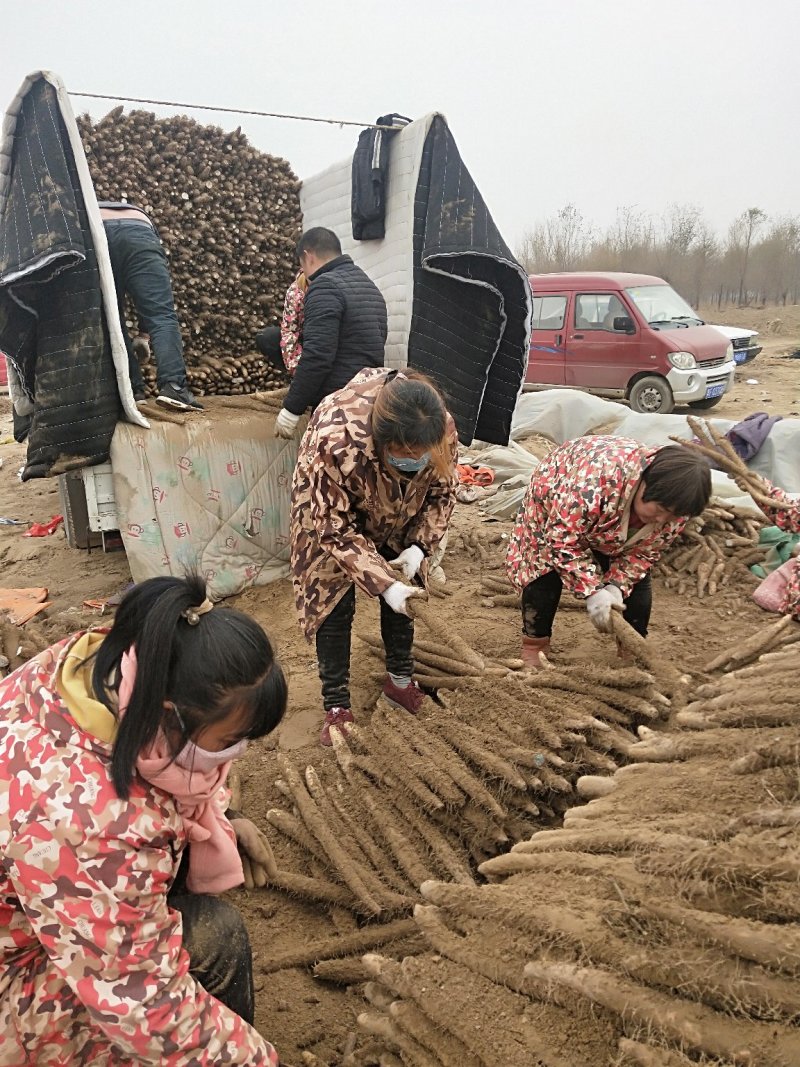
292, 327
786, 513
100, 912
632, 565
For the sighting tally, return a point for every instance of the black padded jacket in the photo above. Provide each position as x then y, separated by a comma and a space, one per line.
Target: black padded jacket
344, 331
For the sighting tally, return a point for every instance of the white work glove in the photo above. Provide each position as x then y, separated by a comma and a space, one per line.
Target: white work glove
286, 424
398, 595
601, 604
409, 562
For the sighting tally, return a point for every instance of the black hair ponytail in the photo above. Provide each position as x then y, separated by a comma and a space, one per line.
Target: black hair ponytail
224, 662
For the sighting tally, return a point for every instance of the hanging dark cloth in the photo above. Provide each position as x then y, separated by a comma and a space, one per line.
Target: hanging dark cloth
370, 171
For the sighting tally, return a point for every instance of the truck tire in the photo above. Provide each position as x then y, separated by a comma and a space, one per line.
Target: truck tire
704, 405
651, 396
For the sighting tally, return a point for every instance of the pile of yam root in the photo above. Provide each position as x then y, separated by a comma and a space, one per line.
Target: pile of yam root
651, 928
229, 217
716, 548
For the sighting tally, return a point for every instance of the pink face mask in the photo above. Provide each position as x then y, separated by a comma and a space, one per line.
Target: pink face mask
193, 758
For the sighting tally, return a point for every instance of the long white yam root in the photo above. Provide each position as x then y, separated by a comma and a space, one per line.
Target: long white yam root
777, 947
692, 1025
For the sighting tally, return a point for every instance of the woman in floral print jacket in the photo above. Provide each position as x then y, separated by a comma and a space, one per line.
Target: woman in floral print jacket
598, 513
283, 345
373, 492
784, 511
104, 960
292, 322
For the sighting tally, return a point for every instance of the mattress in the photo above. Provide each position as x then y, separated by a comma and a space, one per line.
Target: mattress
210, 496
459, 305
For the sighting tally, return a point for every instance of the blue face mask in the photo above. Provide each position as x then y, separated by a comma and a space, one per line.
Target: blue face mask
408, 465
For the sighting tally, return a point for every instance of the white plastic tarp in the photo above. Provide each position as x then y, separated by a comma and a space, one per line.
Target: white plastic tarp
564, 414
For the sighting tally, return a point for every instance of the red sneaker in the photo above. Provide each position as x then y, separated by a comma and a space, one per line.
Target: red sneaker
334, 717
409, 699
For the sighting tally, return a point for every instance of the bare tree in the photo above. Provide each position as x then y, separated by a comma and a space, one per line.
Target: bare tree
704, 257
740, 238
681, 247
673, 247
632, 237
775, 261
558, 243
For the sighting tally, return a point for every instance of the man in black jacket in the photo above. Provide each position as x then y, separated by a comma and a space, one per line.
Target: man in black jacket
344, 329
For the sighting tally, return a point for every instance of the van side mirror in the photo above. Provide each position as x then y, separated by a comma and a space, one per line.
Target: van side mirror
624, 324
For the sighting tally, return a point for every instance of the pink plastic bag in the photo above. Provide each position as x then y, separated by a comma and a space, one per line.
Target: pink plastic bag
772, 593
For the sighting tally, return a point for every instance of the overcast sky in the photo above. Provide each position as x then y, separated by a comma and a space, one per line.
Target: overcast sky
601, 103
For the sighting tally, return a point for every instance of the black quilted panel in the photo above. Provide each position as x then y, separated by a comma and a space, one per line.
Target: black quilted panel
51, 319
470, 326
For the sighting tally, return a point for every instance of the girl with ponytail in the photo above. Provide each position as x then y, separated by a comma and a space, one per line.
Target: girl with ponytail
114, 751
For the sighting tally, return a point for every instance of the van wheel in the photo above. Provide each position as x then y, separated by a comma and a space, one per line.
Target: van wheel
704, 405
651, 396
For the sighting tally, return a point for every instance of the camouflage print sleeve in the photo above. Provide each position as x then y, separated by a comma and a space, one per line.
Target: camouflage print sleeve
99, 909
338, 533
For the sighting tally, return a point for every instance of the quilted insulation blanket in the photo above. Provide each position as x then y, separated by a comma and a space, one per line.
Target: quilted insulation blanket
67, 367
211, 495
459, 304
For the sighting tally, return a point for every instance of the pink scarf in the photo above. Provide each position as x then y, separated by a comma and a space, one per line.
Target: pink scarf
214, 862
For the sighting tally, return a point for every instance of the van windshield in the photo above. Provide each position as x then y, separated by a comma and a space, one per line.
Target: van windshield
662, 307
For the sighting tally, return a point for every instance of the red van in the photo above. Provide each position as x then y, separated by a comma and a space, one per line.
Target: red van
625, 336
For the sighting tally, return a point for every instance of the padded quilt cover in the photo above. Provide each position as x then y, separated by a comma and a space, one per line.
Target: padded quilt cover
459, 304
59, 324
211, 496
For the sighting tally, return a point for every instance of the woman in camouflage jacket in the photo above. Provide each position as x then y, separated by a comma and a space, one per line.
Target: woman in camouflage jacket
104, 959
373, 492
597, 515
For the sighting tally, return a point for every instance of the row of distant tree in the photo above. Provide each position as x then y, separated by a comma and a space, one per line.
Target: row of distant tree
756, 262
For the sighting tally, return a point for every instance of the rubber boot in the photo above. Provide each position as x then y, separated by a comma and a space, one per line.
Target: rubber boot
532, 649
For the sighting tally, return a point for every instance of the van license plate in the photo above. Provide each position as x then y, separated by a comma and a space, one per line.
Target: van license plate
714, 390
739, 357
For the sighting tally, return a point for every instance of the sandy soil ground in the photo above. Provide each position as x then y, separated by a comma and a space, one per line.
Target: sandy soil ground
771, 382
295, 1010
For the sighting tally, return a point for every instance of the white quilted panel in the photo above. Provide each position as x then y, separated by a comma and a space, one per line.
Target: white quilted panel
325, 201
212, 495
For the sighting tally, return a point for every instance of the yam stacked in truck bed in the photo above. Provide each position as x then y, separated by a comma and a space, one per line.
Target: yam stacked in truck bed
228, 215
